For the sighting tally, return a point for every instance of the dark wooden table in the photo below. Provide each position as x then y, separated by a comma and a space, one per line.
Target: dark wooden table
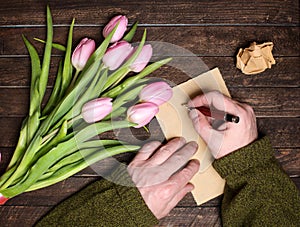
212, 30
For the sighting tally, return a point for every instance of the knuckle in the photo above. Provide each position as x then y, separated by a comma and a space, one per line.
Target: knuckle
179, 158
166, 149
190, 170
131, 165
150, 146
186, 172
249, 109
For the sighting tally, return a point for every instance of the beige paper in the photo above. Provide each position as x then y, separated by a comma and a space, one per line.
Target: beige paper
174, 121
256, 58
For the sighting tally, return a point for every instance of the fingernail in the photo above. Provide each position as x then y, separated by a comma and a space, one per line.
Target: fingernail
194, 147
194, 144
181, 140
190, 187
196, 162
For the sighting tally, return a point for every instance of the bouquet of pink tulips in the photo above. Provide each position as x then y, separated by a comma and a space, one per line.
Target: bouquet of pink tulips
92, 87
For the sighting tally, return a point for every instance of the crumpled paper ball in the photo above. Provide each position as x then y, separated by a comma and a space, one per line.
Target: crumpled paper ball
256, 58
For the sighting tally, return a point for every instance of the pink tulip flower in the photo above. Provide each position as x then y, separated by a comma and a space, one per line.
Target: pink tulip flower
96, 109
143, 58
82, 53
116, 54
123, 21
142, 113
158, 93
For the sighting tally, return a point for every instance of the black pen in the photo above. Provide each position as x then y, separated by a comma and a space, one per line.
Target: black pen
216, 114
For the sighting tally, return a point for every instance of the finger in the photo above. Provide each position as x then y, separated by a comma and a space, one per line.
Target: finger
146, 151
179, 159
201, 124
180, 195
163, 153
178, 185
216, 100
182, 177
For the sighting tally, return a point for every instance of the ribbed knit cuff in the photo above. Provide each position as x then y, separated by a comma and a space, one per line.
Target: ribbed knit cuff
131, 198
255, 154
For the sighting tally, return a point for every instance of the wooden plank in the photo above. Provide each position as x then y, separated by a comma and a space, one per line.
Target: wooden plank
25, 216
14, 216
289, 159
284, 74
283, 132
282, 102
200, 40
192, 216
153, 12
52, 195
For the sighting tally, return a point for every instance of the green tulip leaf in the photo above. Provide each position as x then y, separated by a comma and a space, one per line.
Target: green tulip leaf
129, 36
54, 45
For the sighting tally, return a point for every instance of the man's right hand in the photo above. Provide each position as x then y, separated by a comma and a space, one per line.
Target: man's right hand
231, 136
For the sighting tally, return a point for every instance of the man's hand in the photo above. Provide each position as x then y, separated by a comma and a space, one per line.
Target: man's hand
231, 136
162, 173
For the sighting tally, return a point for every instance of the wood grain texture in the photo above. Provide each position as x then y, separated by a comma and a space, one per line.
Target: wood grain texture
282, 102
283, 132
26, 216
284, 73
200, 40
185, 214
153, 12
193, 216
213, 32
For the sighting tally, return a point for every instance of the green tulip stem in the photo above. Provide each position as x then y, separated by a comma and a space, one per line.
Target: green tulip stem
54, 132
74, 80
29, 176
114, 92
86, 158
146, 129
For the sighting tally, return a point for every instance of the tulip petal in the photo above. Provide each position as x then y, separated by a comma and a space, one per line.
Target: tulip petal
96, 109
142, 113
158, 93
121, 22
116, 54
143, 59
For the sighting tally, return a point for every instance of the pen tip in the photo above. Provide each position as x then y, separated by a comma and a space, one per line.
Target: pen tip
186, 106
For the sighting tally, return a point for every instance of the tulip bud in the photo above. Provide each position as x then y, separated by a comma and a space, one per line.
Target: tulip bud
95, 110
116, 54
82, 53
142, 113
143, 58
123, 21
158, 93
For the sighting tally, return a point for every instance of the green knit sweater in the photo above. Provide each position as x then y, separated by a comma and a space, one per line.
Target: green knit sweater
257, 193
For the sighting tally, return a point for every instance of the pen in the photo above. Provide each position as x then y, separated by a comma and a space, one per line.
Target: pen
217, 114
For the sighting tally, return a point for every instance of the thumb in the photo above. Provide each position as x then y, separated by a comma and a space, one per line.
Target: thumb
201, 124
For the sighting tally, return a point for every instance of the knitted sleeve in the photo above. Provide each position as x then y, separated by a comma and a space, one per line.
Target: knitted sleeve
257, 191
103, 203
